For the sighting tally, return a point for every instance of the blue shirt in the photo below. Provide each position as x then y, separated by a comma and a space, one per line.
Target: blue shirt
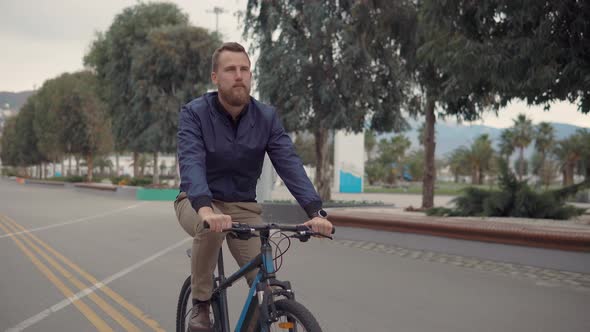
223, 160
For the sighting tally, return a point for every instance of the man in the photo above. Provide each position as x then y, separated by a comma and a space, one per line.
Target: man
222, 139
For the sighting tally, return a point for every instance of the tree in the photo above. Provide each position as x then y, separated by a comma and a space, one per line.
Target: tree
338, 74
391, 155
544, 142
503, 39
569, 151
414, 162
439, 91
168, 70
86, 126
458, 163
481, 157
522, 136
26, 147
506, 144
8, 143
111, 57
305, 147
370, 142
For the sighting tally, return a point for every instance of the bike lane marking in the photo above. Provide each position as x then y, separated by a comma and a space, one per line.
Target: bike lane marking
100, 324
107, 308
100, 285
75, 221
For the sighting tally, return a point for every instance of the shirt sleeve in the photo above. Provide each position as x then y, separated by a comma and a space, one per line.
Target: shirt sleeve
290, 168
191, 159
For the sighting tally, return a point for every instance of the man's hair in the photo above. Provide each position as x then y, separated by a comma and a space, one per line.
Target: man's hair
231, 47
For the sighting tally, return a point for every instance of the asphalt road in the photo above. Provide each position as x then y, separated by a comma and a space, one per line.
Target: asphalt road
121, 262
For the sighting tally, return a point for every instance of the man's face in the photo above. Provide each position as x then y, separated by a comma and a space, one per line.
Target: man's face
233, 78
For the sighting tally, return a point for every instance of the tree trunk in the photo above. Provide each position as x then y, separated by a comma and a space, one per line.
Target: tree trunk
135, 164
429, 148
156, 177
90, 163
521, 164
322, 170
117, 163
480, 175
473, 175
569, 173
77, 165
177, 171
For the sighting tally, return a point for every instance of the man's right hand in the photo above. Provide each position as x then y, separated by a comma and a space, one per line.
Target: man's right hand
217, 222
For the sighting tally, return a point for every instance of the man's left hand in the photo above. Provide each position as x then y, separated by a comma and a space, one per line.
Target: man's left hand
320, 225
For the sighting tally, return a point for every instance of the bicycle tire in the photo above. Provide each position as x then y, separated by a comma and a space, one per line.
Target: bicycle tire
182, 307
296, 311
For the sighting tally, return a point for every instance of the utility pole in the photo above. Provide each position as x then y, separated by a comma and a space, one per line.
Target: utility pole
217, 10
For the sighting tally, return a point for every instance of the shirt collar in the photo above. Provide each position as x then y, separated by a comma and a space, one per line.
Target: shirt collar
225, 113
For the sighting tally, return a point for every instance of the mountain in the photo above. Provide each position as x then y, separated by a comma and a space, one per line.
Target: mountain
14, 100
452, 136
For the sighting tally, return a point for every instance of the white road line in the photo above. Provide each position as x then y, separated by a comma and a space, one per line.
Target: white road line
73, 221
83, 293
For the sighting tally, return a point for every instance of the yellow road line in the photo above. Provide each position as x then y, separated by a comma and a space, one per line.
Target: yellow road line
107, 290
100, 324
107, 308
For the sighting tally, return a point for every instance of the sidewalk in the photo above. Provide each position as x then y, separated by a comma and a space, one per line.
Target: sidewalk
572, 235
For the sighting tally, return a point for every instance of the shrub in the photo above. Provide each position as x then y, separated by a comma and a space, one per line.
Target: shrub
514, 199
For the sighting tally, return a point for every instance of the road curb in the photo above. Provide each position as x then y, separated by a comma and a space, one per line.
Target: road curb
495, 232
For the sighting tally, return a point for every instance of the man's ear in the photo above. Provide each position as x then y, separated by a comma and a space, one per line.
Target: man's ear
214, 77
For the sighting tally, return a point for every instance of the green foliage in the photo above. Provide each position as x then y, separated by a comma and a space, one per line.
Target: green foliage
515, 199
305, 147
376, 171
168, 70
530, 50
140, 182
318, 64
112, 57
415, 162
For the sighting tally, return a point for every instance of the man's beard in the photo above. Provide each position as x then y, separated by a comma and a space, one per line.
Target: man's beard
235, 96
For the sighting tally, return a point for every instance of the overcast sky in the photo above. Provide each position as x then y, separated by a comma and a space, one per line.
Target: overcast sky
41, 39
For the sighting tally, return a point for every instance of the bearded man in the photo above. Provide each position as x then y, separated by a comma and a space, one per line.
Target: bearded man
222, 139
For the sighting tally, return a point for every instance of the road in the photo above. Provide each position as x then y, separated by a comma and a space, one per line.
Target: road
125, 261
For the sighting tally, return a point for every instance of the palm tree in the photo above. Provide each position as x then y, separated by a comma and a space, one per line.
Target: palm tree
506, 144
544, 142
522, 137
482, 155
569, 151
457, 162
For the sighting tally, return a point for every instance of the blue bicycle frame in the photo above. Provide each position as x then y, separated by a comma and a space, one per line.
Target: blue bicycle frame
264, 287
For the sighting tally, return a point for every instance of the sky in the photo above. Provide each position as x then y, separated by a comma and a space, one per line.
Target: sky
41, 39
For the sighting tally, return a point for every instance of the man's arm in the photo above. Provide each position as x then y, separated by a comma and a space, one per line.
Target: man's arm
191, 158
290, 168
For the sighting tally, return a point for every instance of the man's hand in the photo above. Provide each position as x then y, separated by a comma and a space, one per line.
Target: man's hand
320, 225
217, 222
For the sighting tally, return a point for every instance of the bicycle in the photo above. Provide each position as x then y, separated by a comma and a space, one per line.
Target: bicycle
270, 305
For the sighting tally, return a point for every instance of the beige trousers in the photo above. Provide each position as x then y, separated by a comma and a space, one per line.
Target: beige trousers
206, 244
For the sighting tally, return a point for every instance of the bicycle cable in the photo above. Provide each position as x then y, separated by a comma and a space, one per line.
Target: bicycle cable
278, 251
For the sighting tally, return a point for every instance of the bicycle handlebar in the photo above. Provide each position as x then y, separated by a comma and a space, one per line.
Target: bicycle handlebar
302, 231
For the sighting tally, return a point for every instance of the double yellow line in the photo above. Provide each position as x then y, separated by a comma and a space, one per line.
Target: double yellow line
11, 227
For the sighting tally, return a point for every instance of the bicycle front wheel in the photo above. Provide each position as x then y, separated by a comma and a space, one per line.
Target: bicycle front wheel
184, 306
293, 317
